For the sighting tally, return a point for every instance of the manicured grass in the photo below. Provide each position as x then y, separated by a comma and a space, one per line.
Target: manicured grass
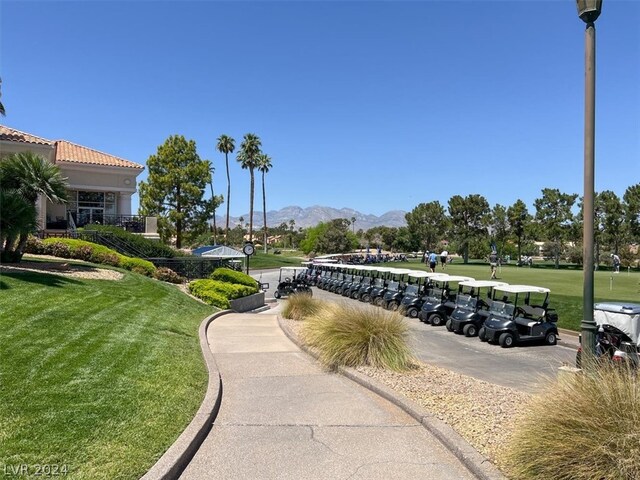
262, 261
565, 285
101, 376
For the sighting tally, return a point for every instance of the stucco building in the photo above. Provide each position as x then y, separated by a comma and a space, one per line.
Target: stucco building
100, 185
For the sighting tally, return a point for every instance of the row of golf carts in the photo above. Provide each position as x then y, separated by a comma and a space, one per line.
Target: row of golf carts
494, 311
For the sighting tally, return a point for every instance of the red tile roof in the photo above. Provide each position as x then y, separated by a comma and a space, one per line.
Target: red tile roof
67, 151
72, 153
13, 135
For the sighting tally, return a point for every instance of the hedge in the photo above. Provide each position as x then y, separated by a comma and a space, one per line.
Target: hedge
90, 252
232, 276
230, 291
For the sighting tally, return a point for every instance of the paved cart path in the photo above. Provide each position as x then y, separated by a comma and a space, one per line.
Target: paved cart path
283, 417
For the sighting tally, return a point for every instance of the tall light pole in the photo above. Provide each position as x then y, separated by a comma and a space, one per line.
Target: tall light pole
589, 11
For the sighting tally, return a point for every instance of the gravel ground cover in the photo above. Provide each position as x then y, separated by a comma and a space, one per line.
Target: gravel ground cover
483, 413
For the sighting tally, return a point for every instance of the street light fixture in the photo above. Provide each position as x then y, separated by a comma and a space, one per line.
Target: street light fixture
589, 11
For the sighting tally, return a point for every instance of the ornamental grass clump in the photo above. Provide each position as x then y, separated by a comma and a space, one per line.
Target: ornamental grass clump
300, 306
349, 336
583, 426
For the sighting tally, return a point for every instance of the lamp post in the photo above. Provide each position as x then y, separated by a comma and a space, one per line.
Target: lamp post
589, 11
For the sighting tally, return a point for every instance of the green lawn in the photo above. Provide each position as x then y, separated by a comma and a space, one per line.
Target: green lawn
565, 285
263, 260
100, 376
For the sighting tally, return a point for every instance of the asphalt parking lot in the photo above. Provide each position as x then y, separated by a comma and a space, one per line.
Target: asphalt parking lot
520, 367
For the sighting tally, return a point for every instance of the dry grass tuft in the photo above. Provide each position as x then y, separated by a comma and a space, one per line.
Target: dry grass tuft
300, 306
349, 336
584, 426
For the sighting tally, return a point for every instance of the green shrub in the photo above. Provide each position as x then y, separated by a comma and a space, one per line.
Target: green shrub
232, 276
230, 291
581, 426
208, 294
143, 267
92, 252
34, 245
301, 306
165, 274
346, 335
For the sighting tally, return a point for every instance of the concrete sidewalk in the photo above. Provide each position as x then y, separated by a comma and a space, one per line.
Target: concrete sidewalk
283, 417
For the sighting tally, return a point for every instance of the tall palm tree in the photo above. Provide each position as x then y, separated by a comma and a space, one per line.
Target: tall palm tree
226, 145
264, 165
248, 158
213, 201
30, 176
2, 112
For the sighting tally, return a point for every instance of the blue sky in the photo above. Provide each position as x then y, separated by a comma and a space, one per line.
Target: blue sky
374, 106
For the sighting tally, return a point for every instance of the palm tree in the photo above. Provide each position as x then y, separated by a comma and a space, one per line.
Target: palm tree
226, 145
2, 112
30, 176
248, 158
213, 202
264, 165
17, 216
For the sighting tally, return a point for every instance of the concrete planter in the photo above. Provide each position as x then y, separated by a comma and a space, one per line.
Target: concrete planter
246, 304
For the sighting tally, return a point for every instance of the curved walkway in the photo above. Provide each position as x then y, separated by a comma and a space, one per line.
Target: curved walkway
283, 417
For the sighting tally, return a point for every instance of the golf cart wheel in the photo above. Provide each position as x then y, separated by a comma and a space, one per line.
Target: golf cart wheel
436, 320
550, 338
481, 334
412, 312
470, 330
366, 298
393, 306
506, 340
448, 325
277, 294
377, 301
354, 295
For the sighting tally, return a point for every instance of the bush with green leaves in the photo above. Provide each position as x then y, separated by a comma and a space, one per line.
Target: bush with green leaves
230, 291
232, 276
582, 426
206, 291
346, 335
91, 252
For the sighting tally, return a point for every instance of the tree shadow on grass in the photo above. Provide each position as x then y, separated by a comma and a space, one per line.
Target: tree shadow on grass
46, 279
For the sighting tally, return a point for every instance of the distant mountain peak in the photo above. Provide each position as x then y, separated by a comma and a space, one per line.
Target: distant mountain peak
313, 215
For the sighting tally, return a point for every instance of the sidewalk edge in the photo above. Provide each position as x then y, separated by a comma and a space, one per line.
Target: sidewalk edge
171, 464
473, 460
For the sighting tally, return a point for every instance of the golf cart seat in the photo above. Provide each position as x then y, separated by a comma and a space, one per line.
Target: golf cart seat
526, 322
533, 312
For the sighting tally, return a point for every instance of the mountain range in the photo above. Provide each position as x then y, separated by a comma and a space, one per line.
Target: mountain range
311, 216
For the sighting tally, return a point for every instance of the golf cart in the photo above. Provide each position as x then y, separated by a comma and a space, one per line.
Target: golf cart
380, 287
290, 282
514, 318
618, 336
377, 285
441, 299
366, 284
416, 291
395, 290
347, 278
472, 306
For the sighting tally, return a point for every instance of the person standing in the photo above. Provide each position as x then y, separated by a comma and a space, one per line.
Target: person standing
433, 261
443, 258
493, 262
616, 262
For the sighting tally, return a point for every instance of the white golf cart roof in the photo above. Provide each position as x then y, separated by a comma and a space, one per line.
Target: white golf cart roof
522, 289
400, 271
451, 278
421, 274
624, 316
296, 269
482, 283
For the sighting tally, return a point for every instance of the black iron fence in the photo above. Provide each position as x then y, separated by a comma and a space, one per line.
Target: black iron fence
191, 267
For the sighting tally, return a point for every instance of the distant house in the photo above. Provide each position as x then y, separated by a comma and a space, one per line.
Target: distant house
100, 185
